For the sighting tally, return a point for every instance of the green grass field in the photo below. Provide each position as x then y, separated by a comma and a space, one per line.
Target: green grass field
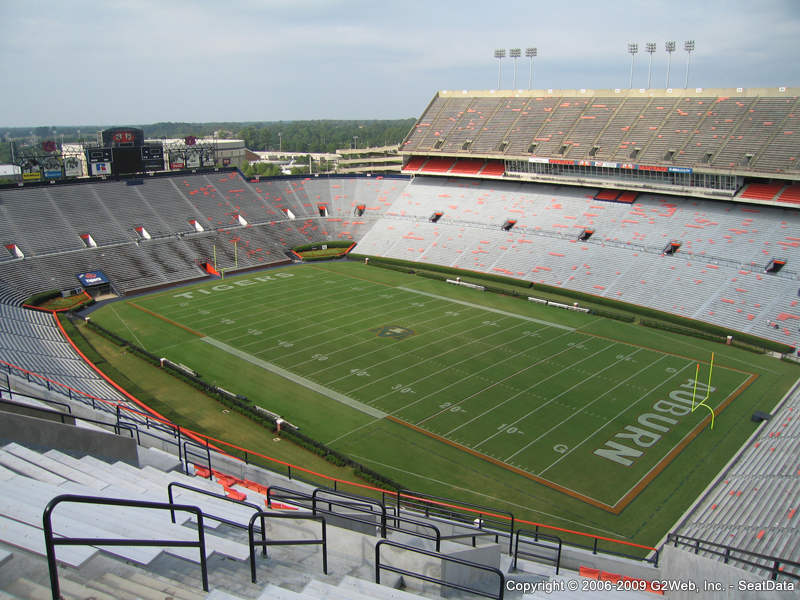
561, 417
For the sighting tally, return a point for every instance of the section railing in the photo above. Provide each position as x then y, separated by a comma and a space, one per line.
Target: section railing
440, 581
772, 564
51, 541
550, 544
262, 515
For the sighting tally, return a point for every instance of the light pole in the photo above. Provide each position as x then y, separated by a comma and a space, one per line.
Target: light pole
650, 48
689, 47
531, 54
670, 48
515, 53
355, 142
499, 54
632, 50
280, 143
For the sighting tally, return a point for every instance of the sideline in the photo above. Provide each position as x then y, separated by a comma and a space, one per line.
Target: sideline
488, 309
307, 383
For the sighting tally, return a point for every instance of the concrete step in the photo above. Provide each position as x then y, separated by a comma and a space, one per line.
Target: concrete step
26, 589
144, 590
319, 589
221, 595
374, 590
274, 592
31, 538
73, 589
55, 467
23, 467
179, 590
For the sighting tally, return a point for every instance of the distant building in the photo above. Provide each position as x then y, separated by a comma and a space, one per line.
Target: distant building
383, 159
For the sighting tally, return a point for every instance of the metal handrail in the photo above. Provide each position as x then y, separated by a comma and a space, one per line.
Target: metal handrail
712, 547
38, 399
536, 536
363, 500
264, 543
51, 541
454, 508
174, 484
428, 578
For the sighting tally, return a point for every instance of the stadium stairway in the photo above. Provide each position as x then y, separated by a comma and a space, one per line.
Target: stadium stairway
29, 479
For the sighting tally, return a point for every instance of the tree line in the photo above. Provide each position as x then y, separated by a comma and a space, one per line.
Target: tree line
291, 136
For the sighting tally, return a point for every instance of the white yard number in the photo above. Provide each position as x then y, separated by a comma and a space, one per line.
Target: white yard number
283, 344
227, 321
359, 373
490, 323
506, 428
319, 357
399, 387
453, 409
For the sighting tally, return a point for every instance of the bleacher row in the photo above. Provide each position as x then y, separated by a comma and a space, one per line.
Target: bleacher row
30, 341
244, 223
724, 132
717, 275
755, 504
150, 572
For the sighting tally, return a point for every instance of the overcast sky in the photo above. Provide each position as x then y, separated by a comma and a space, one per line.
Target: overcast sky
109, 62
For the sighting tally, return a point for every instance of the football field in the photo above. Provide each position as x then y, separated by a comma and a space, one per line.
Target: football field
531, 390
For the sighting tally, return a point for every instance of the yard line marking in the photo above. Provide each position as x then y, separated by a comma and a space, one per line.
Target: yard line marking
623, 411
394, 374
585, 526
488, 387
333, 395
486, 308
413, 350
116, 314
470, 358
446, 368
529, 444
554, 398
166, 320
535, 385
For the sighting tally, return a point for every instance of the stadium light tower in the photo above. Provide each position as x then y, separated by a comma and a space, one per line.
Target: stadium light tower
515, 53
531, 54
499, 54
688, 45
670, 48
632, 50
650, 48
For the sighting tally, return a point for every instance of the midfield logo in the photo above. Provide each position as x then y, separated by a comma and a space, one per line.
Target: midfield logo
393, 331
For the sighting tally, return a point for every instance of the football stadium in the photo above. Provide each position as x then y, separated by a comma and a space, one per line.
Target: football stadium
557, 353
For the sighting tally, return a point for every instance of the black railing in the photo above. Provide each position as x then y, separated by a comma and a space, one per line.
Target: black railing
276, 492
7, 390
483, 519
51, 541
774, 566
353, 502
323, 541
551, 543
437, 555
209, 515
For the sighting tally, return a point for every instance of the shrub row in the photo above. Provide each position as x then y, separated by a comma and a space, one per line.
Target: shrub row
37, 299
686, 325
245, 407
319, 245
381, 261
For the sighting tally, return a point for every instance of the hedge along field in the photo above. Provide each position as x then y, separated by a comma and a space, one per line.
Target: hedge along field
467, 394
